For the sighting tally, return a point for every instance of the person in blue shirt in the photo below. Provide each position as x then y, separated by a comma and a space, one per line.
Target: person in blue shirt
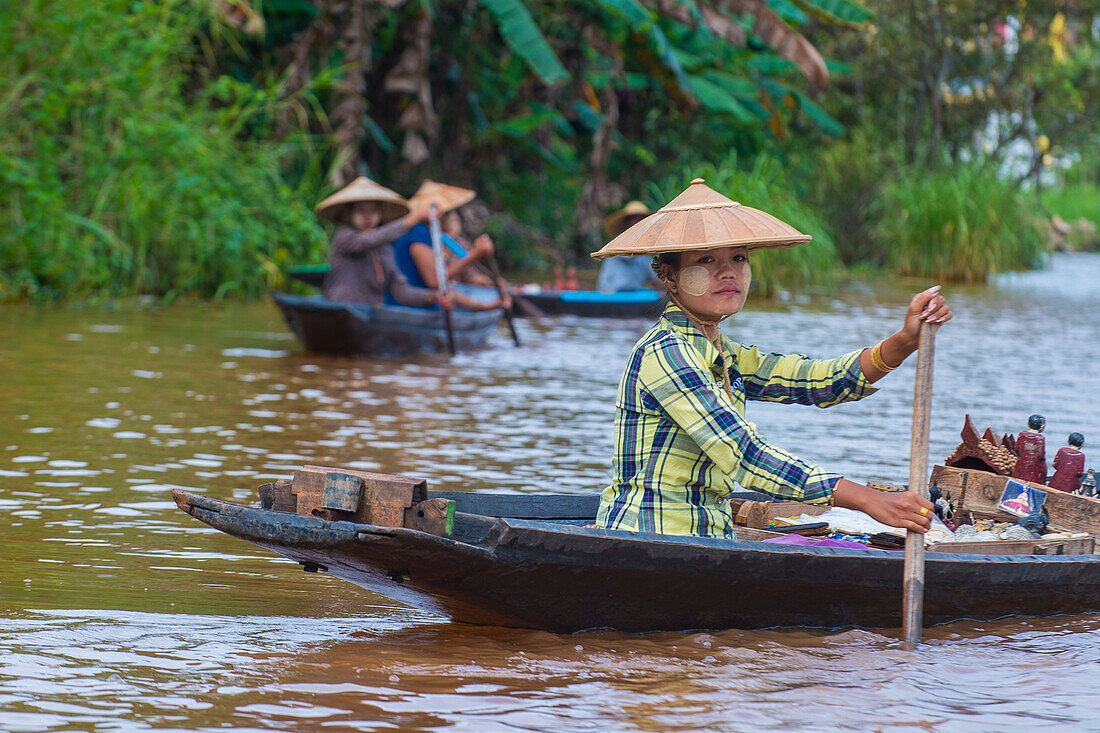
626, 273
416, 260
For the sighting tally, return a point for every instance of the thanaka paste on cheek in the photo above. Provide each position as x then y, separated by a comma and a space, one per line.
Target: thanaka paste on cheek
695, 280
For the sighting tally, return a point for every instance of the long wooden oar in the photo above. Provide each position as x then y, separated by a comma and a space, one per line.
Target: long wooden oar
913, 601
440, 270
494, 273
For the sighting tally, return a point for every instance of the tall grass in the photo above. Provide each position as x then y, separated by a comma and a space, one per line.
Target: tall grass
1074, 201
957, 225
765, 186
118, 177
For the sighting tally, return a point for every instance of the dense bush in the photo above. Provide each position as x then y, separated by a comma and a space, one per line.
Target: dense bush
113, 182
962, 225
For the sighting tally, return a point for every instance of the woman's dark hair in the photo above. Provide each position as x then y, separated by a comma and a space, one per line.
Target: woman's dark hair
1037, 422
666, 263
1076, 440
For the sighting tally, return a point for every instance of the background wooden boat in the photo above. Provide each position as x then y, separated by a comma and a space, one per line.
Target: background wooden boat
358, 329
584, 303
529, 561
595, 304
313, 275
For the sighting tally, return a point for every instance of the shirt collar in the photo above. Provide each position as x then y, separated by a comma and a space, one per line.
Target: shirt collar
674, 319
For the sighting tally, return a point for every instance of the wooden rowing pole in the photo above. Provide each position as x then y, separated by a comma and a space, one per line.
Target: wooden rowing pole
440, 271
913, 599
494, 275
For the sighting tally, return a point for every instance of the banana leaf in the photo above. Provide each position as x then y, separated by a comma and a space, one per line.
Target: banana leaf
523, 36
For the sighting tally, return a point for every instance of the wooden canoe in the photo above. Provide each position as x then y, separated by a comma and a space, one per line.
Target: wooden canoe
596, 304
357, 329
530, 561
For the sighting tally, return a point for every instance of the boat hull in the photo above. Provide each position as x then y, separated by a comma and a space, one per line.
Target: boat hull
358, 329
557, 575
593, 304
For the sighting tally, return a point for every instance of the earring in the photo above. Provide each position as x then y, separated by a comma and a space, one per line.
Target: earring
671, 287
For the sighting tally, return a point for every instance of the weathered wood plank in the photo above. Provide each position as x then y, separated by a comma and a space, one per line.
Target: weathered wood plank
1069, 546
524, 506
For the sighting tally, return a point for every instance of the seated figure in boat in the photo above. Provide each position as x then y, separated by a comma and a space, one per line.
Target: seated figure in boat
415, 258
1069, 465
368, 218
682, 441
627, 272
1031, 452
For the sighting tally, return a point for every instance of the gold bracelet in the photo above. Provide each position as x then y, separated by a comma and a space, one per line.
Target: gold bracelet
878, 362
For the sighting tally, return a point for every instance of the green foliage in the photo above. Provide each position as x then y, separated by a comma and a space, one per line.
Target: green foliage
765, 186
1074, 201
114, 182
519, 31
960, 225
837, 11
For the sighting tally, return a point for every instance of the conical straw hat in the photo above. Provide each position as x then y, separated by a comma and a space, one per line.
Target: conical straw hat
702, 218
448, 197
614, 220
363, 189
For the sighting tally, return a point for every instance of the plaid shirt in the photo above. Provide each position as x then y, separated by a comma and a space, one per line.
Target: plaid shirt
681, 444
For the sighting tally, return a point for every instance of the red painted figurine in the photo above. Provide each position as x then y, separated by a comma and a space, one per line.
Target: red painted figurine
1069, 465
1031, 452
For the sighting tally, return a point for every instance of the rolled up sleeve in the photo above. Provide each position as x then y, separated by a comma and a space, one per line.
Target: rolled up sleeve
798, 379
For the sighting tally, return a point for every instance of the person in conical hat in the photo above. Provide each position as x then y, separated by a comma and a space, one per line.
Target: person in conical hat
625, 272
682, 441
413, 250
368, 218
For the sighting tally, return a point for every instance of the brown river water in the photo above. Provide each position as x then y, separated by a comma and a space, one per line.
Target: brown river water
118, 612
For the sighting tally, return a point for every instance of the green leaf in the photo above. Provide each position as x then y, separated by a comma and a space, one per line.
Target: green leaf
523, 36
588, 117
717, 99
842, 12
745, 90
631, 10
380, 138
788, 11
828, 124
524, 124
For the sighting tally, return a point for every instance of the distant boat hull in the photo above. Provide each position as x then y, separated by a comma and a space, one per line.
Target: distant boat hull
596, 304
357, 329
547, 570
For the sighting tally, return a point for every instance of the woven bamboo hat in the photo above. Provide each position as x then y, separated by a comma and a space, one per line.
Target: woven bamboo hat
363, 189
447, 197
614, 220
702, 218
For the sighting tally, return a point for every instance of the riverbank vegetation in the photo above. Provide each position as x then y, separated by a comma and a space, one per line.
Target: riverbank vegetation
177, 147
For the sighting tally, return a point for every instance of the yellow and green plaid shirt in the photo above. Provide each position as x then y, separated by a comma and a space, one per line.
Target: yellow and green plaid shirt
681, 445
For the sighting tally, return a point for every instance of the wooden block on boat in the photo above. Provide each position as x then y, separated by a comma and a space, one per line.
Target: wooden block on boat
434, 516
356, 496
341, 491
278, 495
983, 490
750, 513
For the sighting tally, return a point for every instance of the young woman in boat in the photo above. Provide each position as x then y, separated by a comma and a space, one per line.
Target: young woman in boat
368, 218
682, 441
415, 258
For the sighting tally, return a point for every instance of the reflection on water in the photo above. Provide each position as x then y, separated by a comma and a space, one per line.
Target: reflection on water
117, 607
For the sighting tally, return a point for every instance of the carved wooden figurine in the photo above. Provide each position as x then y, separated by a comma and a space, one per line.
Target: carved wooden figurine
1031, 452
1069, 465
984, 453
